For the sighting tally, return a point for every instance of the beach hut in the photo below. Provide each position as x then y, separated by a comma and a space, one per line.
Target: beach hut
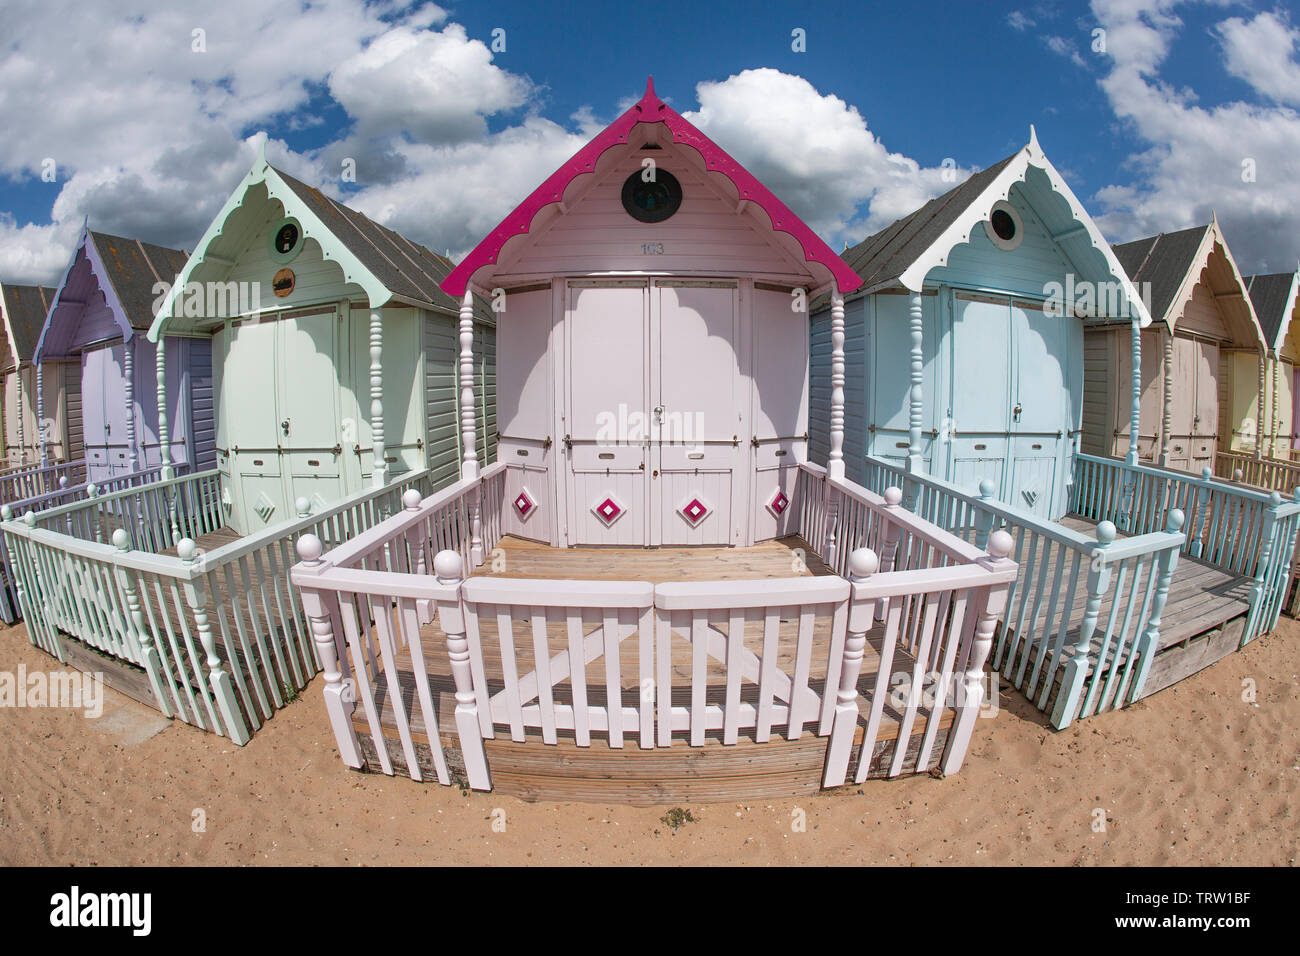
1200, 363
30, 414
96, 323
964, 343
1277, 304
334, 353
650, 601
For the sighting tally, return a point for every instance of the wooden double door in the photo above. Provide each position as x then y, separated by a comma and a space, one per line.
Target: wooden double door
652, 411
1194, 405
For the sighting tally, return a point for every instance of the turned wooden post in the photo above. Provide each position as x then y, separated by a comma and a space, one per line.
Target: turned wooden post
196, 596
1076, 668
321, 607
1167, 422
379, 466
1201, 500
40, 409
450, 570
164, 443
1149, 642
916, 394
835, 459
862, 564
1259, 412
1263, 567
1135, 396
990, 602
19, 412
469, 441
128, 384
139, 626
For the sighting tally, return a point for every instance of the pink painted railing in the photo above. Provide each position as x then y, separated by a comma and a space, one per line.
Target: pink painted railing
924, 593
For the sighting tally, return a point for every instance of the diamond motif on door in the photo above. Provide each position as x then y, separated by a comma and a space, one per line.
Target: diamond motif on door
264, 507
524, 504
694, 511
778, 503
609, 510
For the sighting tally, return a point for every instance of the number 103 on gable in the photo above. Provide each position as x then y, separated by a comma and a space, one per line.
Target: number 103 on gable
652, 248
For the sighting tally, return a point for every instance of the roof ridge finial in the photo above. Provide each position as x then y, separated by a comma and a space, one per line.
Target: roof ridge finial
650, 102
1033, 139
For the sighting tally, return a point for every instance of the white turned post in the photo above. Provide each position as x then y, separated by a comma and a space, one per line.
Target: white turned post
1135, 397
450, 570
379, 467
862, 564
164, 446
321, 607
835, 460
469, 441
1259, 412
143, 635
223, 691
128, 373
40, 409
989, 605
1273, 419
22, 453
1167, 423
916, 395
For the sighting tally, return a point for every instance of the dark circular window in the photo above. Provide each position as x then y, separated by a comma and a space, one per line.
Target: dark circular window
286, 237
652, 201
1003, 224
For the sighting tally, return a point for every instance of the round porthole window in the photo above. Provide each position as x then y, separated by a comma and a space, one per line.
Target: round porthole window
1004, 226
286, 240
652, 201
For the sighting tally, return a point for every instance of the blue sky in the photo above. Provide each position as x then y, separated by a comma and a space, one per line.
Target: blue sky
1153, 131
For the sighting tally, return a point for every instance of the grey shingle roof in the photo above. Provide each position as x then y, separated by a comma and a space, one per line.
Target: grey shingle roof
1269, 296
133, 267
1162, 261
404, 267
25, 308
882, 258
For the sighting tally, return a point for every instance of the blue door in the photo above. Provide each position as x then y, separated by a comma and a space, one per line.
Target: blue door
982, 385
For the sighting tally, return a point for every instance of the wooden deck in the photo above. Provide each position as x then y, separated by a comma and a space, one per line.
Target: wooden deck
715, 772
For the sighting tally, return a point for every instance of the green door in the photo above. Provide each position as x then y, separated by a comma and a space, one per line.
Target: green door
307, 414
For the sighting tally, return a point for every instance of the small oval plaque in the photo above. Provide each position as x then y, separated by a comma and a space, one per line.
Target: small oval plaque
314, 462
695, 455
981, 447
521, 452
781, 453
283, 282
606, 456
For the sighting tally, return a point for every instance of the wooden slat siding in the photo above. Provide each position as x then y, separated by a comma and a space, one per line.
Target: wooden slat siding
442, 422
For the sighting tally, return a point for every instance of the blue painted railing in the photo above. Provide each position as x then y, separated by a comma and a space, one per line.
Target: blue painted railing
1068, 668
1240, 530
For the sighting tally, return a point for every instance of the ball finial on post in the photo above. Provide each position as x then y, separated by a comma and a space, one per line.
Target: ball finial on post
893, 496
29, 519
1106, 532
187, 550
121, 540
92, 490
987, 487
7, 512
303, 507
448, 566
1000, 543
863, 563
1207, 473
310, 548
1174, 520
411, 499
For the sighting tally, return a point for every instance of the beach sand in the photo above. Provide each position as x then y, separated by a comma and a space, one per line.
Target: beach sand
1195, 776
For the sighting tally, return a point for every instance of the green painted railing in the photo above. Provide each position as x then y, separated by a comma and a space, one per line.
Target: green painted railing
220, 634
1237, 529
1069, 666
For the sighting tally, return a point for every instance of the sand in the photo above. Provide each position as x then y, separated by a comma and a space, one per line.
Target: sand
1193, 776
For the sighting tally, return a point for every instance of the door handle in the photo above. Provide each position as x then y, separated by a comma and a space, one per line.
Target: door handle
659, 414
1015, 412
284, 426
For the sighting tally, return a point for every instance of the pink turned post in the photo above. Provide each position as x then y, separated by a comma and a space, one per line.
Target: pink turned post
450, 570
989, 605
469, 442
862, 564
320, 607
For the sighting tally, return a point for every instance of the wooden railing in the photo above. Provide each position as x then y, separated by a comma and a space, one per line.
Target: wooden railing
369, 599
29, 481
1271, 474
65, 493
220, 634
1124, 586
1237, 529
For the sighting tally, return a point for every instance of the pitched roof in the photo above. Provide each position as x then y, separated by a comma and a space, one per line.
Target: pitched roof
134, 268
650, 109
882, 259
25, 307
1272, 297
404, 267
1163, 261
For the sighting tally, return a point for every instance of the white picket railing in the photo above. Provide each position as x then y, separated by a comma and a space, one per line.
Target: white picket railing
220, 634
519, 650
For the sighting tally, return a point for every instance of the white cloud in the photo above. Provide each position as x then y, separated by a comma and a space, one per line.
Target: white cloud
1262, 52
1196, 160
1019, 20
1063, 47
814, 151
